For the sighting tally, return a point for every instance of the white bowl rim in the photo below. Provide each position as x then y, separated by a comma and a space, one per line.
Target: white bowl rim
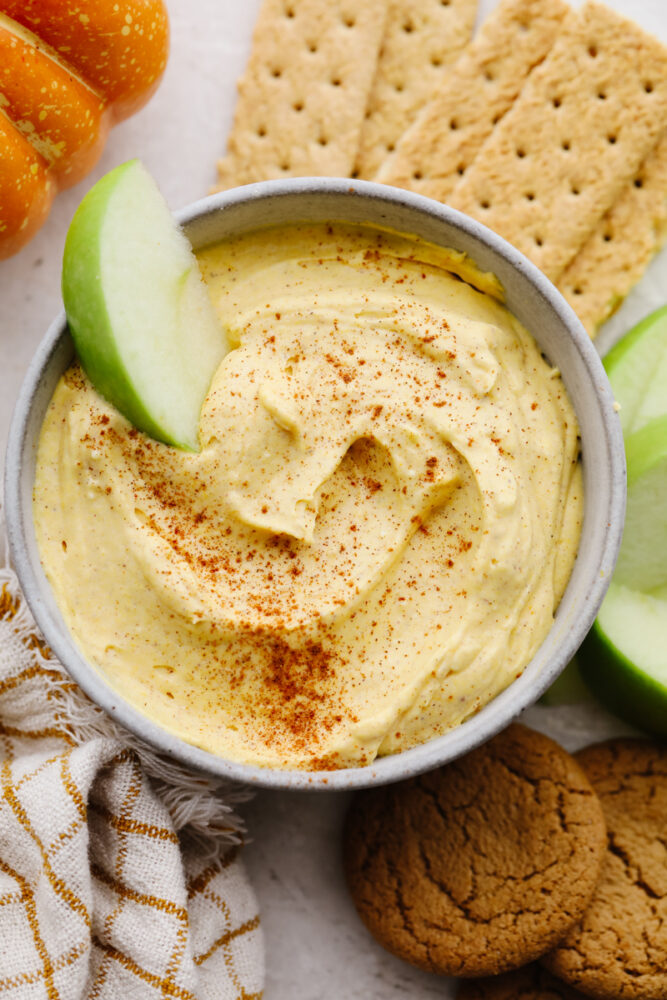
494, 716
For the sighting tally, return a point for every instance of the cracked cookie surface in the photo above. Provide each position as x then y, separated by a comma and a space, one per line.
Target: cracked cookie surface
481, 866
619, 949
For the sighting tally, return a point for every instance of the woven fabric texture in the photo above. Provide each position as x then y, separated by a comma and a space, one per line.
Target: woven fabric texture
120, 873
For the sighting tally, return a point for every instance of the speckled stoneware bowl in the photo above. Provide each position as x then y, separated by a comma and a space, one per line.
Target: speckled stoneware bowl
536, 303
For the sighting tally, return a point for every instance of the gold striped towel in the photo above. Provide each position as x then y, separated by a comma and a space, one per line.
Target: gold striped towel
120, 873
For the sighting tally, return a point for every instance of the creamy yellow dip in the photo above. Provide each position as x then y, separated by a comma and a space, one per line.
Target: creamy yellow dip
371, 542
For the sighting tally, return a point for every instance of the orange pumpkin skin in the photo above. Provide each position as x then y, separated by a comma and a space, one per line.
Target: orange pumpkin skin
67, 73
119, 48
60, 116
26, 190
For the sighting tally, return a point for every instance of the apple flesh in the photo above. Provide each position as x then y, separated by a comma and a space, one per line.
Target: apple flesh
139, 313
624, 657
642, 560
637, 370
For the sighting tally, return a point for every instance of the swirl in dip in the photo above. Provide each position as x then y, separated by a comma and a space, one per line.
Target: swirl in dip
373, 539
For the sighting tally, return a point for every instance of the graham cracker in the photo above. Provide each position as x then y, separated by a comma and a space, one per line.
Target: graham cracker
620, 248
422, 38
305, 89
474, 95
576, 136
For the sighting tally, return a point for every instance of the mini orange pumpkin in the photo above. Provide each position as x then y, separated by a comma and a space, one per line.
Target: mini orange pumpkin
68, 72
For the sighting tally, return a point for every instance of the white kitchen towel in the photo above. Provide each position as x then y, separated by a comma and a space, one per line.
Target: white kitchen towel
120, 874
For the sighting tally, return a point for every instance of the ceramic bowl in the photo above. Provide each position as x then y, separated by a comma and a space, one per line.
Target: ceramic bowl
536, 303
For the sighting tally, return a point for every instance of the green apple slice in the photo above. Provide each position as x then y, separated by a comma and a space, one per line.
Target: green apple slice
624, 657
642, 561
637, 370
139, 313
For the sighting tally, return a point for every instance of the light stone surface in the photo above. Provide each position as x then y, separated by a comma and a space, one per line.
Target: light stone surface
317, 948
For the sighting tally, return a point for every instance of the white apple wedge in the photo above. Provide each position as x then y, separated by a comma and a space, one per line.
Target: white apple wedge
140, 316
624, 657
642, 561
637, 370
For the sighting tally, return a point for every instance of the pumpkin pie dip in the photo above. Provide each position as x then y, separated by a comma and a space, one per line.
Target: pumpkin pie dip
375, 534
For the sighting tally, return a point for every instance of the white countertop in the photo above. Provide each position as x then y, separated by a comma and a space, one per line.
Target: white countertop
316, 947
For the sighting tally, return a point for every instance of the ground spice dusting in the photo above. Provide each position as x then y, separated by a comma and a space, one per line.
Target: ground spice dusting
296, 608
298, 675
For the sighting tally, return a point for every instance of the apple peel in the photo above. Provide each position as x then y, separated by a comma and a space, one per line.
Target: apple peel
141, 318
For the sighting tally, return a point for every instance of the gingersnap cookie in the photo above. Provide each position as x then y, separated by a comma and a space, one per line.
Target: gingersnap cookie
481, 866
619, 949
532, 982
